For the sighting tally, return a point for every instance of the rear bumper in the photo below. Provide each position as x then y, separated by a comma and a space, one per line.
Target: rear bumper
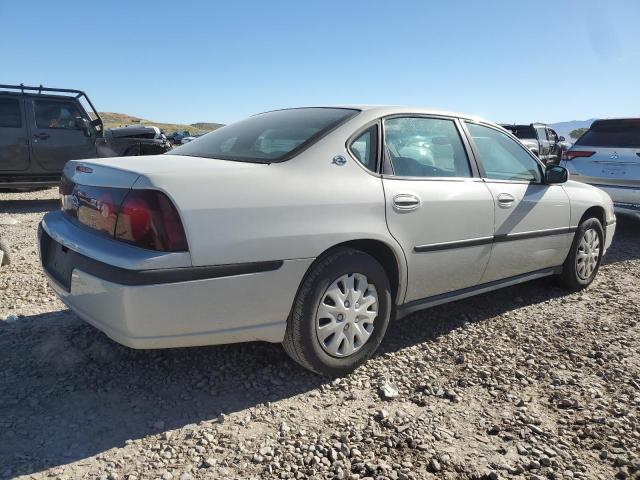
231, 306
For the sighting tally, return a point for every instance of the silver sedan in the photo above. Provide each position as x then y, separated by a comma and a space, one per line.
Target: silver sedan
314, 227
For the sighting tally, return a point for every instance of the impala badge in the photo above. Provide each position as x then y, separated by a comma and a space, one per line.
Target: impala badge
339, 160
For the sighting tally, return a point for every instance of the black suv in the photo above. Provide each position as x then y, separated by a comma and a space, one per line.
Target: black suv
42, 128
540, 139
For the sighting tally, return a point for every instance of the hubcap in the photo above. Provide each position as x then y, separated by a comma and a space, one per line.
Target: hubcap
588, 254
344, 321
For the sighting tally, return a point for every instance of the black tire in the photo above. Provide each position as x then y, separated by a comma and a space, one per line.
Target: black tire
4, 248
301, 341
569, 278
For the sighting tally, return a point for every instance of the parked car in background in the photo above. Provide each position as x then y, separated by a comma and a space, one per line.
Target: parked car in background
187, 139
541, 140
608, 157
43, 128
176, 137
313, 227
137, 140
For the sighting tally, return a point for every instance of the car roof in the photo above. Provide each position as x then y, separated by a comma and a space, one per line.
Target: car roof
47, 96
386, 110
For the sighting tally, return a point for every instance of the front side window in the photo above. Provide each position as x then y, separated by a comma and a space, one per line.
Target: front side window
365, 148
425, 147
10, 113
501, 157
56, 114
267, 137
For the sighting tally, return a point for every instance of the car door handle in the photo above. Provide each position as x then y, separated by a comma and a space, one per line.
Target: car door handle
506, 200
405, 202
41, 136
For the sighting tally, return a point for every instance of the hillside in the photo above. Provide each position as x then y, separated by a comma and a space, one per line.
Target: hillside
111, 120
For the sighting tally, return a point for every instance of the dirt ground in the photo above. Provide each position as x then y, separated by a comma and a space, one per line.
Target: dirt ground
528, 382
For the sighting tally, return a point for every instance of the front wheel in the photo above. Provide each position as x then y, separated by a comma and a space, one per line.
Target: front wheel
582, 263
340, 313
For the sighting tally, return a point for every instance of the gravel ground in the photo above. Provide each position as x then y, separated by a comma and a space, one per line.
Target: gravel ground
528, 382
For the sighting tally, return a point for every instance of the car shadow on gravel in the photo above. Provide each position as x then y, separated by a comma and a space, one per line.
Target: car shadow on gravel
67, 392
28, 206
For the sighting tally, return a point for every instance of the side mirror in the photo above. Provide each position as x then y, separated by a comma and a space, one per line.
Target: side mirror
84, 125
555, 174
561, 139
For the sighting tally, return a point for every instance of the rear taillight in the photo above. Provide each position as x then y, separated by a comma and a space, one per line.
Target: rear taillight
145, 218
148, 219
571, 154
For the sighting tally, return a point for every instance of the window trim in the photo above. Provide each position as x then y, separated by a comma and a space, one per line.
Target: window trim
22, 124
352, 138
476, 153
386, 169
77, 106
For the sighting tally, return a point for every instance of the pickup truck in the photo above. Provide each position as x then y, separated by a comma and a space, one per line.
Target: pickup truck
540, 139
43, 128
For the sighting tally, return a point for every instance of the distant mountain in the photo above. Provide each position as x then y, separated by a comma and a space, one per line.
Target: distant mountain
111, 120
563, 128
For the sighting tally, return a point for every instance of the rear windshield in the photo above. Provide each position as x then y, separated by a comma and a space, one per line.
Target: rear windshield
267, 137
612, 134
521, 131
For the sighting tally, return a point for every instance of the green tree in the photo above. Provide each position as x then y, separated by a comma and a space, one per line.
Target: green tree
577, 133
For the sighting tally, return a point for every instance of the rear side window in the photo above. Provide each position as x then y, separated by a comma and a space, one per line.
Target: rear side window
56, 114
10, 113
267, 137
425, 147
501, 157
613, 135
365, 148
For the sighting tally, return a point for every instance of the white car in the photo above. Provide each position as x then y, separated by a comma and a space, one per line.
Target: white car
314, 227
607, 156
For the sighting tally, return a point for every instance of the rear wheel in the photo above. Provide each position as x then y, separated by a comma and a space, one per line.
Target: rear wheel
582, 263
340, 313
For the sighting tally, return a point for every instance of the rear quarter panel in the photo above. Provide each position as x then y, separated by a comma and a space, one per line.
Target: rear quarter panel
290, 210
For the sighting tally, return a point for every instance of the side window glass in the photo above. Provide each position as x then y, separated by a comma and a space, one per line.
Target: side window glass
503, 158
542, 133
425, 147
10, 113
54, 114
365, 148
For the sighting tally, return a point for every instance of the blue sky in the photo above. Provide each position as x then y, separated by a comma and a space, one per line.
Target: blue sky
507, 61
